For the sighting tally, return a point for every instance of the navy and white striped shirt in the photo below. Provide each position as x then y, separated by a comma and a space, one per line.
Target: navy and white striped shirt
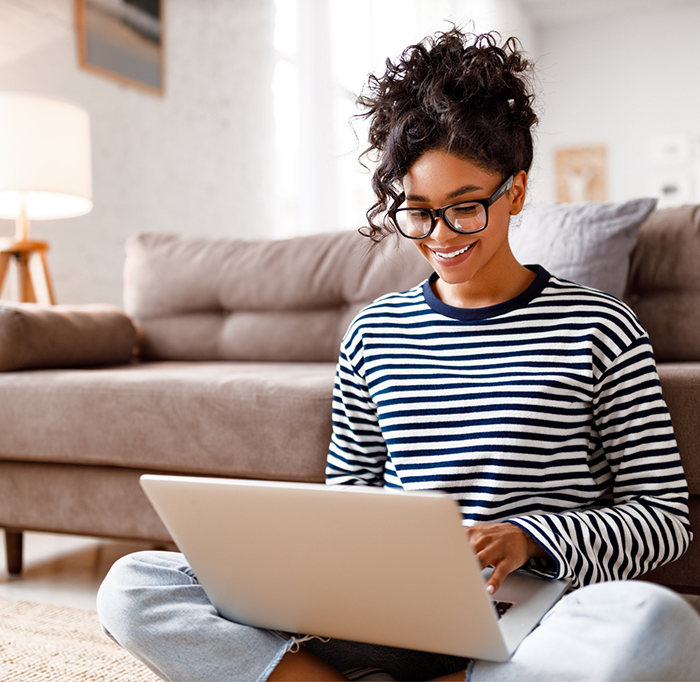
545, 410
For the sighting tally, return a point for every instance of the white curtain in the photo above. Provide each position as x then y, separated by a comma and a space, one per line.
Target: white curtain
325, 51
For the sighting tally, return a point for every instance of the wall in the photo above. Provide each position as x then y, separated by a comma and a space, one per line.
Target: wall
202, 160
330, 189
619, 82
197, 160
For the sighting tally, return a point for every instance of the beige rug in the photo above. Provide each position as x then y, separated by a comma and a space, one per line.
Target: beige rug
46, 643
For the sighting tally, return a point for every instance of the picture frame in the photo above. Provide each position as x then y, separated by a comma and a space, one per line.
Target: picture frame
581, 174
123, 40
672, 188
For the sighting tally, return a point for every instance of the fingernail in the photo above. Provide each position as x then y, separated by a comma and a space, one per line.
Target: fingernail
490, 589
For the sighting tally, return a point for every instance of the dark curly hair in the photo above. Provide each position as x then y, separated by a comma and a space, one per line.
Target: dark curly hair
455, 91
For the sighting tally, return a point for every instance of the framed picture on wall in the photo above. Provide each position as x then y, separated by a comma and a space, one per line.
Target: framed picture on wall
580, 174
122, 40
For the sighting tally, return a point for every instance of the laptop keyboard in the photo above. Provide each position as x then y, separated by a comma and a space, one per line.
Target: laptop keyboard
502, 607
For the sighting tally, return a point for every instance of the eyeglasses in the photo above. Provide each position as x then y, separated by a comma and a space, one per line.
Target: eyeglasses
464, 217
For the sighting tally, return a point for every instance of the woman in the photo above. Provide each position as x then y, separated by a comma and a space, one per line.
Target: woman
531, 400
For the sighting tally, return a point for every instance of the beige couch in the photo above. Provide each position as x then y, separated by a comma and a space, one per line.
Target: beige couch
238, 342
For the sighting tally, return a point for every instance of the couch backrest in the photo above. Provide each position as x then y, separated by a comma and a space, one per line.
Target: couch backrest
663, 286
198, 298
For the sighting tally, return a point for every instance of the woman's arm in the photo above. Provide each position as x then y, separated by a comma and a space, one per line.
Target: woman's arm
503, 546
646, 521
357, 453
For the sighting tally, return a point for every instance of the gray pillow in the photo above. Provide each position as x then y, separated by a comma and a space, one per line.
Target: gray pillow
34, 336
588, 243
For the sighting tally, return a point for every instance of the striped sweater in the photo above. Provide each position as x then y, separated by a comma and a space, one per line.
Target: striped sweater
545, 411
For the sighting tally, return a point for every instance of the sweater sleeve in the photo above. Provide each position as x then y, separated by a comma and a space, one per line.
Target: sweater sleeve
645, 523
357, 453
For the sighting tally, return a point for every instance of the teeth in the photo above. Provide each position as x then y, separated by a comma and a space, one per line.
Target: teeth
454, 254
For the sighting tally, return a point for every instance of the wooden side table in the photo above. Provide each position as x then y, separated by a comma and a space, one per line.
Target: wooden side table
22, 251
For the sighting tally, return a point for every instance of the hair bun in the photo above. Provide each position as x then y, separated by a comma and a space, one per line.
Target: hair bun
456, 91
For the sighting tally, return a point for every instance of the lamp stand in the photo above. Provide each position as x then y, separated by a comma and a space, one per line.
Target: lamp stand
22, 249
22, 223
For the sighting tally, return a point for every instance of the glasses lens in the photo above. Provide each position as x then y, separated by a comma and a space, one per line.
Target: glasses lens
466, 217
413, 222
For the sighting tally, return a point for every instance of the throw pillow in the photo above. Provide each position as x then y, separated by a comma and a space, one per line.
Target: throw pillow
34, 336
588, 243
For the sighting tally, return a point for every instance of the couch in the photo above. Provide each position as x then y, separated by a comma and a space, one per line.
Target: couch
222, 364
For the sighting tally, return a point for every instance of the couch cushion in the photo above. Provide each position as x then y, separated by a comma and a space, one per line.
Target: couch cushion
588, 243
681, 387
231, 419
285, 300
664, 282
33, 336
80, 500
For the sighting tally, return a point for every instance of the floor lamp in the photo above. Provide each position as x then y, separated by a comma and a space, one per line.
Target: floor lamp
45, 173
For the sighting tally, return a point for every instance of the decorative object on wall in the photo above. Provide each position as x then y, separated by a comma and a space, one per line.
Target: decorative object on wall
675, 162
581, 174
672, 188
45, 172
123, 40
669, 150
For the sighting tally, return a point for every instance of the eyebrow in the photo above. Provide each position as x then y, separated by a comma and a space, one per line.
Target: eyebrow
466, 189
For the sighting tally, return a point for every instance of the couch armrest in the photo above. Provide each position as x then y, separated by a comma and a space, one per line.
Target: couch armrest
35, 336
680, 382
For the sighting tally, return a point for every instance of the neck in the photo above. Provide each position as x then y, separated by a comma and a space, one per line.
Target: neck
495, 283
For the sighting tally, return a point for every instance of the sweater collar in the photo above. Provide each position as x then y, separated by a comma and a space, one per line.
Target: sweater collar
519, 301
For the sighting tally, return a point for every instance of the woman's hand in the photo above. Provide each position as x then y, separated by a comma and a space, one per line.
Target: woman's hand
504, 546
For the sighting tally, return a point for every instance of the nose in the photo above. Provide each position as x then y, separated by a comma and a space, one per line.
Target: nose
442, 233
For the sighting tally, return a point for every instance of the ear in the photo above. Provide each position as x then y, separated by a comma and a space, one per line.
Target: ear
516, 194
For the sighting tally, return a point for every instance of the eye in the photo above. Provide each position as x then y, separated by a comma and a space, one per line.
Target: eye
417, 214
465, 211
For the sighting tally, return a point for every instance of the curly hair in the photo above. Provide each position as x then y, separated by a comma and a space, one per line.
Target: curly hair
453, 91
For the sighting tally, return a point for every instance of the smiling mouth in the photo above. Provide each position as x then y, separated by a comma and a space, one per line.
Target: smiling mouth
453, 254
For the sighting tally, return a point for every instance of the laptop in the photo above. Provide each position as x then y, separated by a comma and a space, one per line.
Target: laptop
359, 563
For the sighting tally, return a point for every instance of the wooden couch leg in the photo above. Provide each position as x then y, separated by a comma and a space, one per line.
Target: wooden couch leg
13, 551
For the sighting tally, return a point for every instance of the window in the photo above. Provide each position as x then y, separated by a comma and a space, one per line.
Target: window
325, 51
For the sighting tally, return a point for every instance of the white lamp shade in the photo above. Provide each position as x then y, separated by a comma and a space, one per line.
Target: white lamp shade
44, 157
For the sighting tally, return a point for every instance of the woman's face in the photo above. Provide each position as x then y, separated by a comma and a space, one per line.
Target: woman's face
478, 265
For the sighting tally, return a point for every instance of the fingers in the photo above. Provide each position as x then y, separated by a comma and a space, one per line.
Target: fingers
483, 545
503, 563
503, 546
500, 572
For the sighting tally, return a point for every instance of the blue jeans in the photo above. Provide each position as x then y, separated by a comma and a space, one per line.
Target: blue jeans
152, 604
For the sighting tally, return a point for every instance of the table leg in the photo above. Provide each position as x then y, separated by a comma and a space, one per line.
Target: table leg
4, 263
47, 277
26, 288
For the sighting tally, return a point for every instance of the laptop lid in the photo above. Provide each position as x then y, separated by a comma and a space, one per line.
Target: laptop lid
350, 562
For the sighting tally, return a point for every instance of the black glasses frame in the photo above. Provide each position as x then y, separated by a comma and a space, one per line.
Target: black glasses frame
436, 213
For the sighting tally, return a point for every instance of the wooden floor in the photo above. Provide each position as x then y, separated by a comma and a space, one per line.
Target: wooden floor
62, 569
67, 570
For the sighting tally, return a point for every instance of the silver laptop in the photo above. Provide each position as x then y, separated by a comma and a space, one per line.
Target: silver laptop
351, 562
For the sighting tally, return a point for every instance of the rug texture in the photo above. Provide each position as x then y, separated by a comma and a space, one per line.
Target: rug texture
47, 643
